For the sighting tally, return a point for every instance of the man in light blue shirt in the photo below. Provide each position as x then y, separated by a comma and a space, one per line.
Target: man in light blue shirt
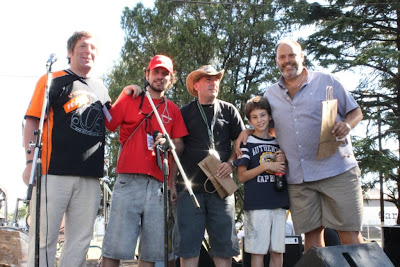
325, 192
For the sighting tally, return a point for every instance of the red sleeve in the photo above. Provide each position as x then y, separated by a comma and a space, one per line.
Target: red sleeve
117, 112
179, 130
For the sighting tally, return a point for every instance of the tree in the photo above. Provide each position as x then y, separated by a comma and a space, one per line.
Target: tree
364, 34
237, 37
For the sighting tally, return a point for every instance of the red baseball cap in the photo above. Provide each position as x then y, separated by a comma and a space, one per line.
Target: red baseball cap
161, 61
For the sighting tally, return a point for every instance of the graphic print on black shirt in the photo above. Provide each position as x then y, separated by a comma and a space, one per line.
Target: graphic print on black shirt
78, 129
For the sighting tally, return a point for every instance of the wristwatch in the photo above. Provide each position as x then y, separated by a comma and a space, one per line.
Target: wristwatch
231, 162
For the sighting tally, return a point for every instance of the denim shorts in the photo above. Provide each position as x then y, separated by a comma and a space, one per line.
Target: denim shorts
137, 209
216, 215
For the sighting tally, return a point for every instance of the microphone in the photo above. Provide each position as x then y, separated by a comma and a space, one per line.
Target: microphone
158, 155
155, 133
52, 59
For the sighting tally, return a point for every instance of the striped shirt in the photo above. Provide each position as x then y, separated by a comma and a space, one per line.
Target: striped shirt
298, 126
259, 192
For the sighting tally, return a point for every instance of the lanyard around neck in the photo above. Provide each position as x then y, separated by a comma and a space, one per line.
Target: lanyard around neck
210, 129
147, 116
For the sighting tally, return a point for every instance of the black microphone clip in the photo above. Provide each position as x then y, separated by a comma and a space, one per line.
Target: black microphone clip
158, 150
145, 84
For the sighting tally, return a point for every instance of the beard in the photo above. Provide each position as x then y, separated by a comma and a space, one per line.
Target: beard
294, 72
157, 88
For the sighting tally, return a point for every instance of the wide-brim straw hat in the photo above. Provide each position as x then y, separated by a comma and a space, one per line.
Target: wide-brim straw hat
194, 76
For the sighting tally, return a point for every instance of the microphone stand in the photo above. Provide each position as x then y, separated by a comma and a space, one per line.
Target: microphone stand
37, 158
165, 169
168, 145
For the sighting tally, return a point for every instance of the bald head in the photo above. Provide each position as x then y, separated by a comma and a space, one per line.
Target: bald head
288, 42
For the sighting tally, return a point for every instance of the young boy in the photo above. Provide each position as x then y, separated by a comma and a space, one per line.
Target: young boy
264, 205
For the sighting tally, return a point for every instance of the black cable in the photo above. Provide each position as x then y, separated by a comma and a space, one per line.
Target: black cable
45, 184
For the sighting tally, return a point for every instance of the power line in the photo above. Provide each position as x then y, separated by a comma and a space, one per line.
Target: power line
18, 76
36, 76
258, 4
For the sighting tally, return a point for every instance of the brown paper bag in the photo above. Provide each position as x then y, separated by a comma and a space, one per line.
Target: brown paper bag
225, 186
327, 142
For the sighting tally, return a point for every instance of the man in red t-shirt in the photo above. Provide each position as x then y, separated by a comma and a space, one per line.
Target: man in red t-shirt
137, 202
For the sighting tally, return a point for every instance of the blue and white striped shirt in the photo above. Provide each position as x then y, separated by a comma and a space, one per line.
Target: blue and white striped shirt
259, 192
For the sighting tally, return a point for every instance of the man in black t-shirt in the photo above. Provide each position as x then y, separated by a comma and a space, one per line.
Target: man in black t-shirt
72, 155
212, 125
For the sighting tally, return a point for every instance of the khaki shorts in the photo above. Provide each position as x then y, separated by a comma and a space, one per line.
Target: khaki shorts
335, 202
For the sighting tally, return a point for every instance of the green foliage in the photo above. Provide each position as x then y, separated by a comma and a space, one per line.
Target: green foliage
364, 34
21, 214
372, 160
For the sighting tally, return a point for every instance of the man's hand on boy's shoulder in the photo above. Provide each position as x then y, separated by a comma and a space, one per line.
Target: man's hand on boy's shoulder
242, 139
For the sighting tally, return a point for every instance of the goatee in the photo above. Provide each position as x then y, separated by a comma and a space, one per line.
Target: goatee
156, 89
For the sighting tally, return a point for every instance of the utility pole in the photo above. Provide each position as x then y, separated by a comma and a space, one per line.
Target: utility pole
380, 171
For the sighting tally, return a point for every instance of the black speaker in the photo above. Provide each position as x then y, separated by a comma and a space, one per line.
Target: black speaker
391, 243
358, 255
293, 252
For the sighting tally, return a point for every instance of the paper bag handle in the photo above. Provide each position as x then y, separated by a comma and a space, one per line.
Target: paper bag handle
329, 92
205, 187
